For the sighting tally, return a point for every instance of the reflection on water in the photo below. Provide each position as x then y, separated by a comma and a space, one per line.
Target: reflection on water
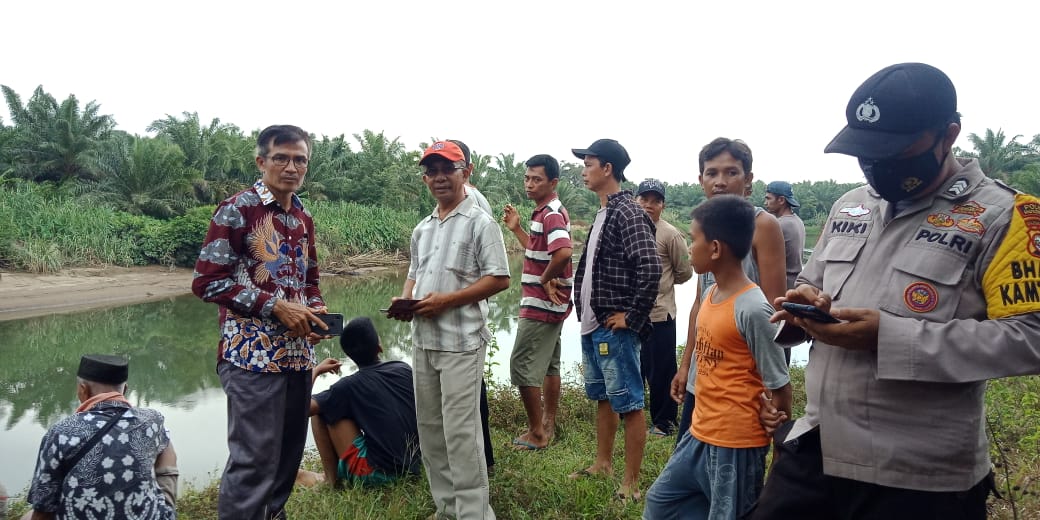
171, 346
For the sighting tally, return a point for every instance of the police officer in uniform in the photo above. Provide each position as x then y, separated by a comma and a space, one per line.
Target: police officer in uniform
931, 270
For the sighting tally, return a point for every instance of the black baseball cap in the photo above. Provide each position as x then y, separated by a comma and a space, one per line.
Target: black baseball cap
892, 109
610, 151
650, 185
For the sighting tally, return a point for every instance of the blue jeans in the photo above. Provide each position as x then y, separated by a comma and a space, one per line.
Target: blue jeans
702, 481
610, 361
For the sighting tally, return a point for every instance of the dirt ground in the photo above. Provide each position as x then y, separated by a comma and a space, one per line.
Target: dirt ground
23, 295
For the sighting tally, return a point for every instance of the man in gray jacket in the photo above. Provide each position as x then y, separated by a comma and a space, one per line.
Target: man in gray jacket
927, 268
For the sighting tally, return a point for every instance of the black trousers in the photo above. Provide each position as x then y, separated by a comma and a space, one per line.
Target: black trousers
489, 452
797, 488
657, 363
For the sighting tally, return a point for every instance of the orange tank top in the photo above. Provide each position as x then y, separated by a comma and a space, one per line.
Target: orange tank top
728, 382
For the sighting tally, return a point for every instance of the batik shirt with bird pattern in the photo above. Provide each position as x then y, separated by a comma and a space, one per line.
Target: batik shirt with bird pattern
255, 253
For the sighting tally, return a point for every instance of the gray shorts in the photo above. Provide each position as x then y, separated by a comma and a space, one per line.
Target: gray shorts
536, 352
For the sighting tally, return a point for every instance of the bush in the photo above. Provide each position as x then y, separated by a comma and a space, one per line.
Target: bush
176, 241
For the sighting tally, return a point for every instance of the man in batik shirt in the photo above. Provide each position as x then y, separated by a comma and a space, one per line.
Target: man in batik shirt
99, 462
258, 264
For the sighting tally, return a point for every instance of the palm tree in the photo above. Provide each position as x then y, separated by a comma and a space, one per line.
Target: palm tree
142, 176
997, 156
218, 151
330, 161
504, 181
55, 141
7, 135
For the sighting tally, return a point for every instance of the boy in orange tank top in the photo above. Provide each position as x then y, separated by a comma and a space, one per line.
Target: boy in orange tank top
718, 467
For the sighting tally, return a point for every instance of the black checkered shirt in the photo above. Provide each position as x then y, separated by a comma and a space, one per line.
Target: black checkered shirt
627, 268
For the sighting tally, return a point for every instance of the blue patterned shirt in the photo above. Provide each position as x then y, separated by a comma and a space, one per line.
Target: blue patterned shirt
115, 479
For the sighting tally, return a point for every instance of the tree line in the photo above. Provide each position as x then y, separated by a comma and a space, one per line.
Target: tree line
189, 163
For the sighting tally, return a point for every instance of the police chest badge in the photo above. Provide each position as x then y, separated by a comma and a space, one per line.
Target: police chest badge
920, 297
941, 220
855, 211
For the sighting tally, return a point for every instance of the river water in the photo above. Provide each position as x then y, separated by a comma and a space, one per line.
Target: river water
171, 345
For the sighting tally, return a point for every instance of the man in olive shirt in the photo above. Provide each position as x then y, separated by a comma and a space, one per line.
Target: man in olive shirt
657, 358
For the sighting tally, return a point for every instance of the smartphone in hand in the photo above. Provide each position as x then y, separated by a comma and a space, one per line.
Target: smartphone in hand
809, 312
334, 321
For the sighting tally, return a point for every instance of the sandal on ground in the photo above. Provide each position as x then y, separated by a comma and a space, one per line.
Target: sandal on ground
657, 432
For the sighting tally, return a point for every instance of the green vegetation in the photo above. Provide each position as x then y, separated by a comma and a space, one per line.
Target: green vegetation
534, 485
98, 195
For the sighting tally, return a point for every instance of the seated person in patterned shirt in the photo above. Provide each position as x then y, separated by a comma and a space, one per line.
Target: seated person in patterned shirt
364, 426
109, 459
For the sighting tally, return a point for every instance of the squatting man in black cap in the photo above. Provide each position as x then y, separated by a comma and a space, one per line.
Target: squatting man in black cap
924, 268
109, 459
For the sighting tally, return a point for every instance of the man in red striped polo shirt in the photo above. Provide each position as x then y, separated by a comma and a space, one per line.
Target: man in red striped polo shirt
545, 301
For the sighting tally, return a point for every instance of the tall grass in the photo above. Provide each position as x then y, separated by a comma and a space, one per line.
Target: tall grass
348, 229
42, 233
44, 230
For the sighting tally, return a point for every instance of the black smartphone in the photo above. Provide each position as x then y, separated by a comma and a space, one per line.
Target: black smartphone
809, 312
334, 321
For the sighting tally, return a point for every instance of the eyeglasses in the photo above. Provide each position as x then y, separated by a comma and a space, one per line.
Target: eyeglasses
283, 160
445, 169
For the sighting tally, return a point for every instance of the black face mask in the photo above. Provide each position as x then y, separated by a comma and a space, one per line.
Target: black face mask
900, 179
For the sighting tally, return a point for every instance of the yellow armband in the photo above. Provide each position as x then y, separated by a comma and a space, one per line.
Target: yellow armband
1012, 281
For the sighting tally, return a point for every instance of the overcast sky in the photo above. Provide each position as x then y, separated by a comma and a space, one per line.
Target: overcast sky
530, 77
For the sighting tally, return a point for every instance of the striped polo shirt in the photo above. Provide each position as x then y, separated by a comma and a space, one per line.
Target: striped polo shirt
550, 231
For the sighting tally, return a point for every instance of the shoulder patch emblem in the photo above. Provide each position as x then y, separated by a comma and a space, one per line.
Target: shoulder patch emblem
920, 297
940, 220
969, 208
957, 187
1011, 282
855, 211
971, 225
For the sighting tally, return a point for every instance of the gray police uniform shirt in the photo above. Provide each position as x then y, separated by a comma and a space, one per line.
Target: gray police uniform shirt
911, 414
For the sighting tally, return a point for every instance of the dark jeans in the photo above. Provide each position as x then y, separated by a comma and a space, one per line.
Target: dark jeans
798, 488
657, 363
267, 429
489, 452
